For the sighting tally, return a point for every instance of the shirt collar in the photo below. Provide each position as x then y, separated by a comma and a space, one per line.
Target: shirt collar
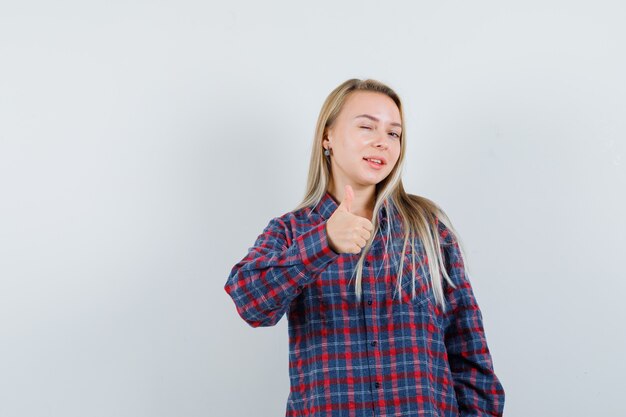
327, 206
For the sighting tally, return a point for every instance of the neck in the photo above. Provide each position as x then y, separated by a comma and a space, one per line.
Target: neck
364, 198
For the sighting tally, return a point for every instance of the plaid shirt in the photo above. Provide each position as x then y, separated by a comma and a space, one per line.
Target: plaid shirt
385, 356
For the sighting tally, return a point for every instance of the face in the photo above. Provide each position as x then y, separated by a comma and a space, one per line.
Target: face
368, 126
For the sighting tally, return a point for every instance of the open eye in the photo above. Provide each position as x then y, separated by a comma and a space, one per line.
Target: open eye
394, 133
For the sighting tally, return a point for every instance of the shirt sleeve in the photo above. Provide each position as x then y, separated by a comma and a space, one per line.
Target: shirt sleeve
276, 269
479, 392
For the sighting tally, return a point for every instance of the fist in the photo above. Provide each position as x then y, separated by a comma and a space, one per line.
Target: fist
347, 232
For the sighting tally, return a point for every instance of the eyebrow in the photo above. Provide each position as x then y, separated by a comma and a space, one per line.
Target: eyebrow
376, 120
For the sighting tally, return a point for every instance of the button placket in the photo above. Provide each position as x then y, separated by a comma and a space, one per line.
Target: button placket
374, 360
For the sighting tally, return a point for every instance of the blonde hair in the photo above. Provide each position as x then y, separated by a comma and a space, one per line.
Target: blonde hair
419, 215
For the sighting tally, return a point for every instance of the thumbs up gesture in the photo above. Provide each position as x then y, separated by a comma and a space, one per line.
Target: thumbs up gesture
347, 232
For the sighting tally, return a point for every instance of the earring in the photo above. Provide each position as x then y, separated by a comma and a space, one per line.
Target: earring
326, 152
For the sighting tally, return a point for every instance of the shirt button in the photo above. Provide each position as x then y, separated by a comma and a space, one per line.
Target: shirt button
377, 385
367, 263
374, 343
369, 302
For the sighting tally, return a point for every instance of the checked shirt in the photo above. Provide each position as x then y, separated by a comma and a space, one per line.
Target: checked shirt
383, 356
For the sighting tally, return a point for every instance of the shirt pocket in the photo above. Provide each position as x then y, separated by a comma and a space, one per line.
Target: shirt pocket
333, 292
423, 291
425, 303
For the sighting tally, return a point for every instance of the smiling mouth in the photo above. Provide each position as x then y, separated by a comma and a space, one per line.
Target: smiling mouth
374, 160
374, 165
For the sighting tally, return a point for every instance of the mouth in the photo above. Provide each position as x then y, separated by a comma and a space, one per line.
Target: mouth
375, 160
374, 163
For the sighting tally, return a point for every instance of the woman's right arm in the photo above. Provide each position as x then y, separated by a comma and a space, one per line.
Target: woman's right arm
275, 270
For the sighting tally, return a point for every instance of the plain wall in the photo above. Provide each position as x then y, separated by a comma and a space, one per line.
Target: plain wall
145, 145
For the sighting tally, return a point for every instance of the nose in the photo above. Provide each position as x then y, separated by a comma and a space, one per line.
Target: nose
381, 142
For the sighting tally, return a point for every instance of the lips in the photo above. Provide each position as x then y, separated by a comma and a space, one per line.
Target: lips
380, 158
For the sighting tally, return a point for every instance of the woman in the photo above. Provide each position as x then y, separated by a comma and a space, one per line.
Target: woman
382, 317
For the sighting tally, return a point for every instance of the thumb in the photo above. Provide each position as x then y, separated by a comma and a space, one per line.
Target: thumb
346, 204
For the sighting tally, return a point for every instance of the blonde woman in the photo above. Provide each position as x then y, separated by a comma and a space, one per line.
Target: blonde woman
382, 317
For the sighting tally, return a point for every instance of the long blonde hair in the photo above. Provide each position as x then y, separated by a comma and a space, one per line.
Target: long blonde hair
419, 215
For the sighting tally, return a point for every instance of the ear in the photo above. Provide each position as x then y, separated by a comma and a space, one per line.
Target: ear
328, 130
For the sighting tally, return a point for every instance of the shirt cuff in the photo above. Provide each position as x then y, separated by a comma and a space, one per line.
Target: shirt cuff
315, 249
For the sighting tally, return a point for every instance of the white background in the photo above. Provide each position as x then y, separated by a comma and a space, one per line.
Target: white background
145, 145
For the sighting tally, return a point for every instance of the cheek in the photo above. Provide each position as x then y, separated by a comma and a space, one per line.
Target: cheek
396, 156
354, 149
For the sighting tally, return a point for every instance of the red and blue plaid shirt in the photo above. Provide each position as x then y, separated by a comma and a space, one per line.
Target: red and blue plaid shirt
384, 356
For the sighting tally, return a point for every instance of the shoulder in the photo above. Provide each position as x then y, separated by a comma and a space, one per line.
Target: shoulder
438, 218
292, 224
447, 234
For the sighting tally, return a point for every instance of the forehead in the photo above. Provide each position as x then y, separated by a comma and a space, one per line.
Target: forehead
368, 102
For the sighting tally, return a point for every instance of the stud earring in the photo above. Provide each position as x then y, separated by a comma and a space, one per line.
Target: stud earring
326, 152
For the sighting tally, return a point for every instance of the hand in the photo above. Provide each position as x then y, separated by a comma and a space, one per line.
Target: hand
347, 232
